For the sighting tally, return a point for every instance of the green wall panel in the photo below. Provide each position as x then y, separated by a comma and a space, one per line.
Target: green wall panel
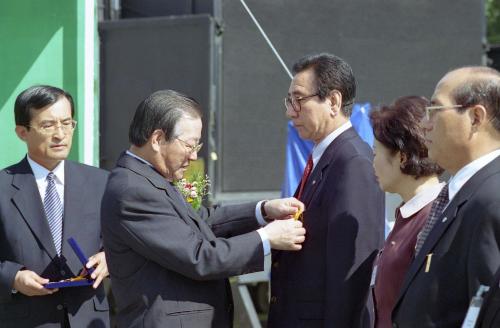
41, 42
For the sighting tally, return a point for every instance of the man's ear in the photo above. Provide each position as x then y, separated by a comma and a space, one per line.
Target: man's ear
22, 132
157, 139
335, 101
478, 115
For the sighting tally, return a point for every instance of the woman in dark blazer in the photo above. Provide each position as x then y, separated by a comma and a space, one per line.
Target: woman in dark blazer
402, 167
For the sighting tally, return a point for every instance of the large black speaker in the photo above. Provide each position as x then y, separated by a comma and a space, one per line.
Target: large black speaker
155, 8
140, 56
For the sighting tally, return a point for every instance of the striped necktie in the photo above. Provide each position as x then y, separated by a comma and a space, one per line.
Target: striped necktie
53, 211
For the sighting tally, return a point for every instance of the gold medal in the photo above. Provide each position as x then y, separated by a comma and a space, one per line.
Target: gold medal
299, 215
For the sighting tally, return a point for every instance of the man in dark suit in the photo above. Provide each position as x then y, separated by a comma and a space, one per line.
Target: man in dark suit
462, 249
326, 284
46, 199
168, 263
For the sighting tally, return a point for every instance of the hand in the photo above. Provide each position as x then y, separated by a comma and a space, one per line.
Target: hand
101, 268
30, 284
283, 208
286, 235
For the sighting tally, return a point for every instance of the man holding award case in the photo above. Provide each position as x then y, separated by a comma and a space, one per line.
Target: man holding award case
46, 199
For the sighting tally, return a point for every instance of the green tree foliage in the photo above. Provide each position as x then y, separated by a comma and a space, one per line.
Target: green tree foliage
493, 16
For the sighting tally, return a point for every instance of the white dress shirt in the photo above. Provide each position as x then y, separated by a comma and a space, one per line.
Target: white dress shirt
41, 173
465, 173
320, 148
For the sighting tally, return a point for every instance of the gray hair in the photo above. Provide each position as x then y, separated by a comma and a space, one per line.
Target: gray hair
161, 110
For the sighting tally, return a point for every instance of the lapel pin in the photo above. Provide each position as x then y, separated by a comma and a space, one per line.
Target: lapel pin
444, 219
428, 262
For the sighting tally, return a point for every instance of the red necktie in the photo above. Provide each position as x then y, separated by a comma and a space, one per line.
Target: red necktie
305, 175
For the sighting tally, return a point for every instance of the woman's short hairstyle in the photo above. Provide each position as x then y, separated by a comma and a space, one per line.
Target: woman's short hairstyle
398, 127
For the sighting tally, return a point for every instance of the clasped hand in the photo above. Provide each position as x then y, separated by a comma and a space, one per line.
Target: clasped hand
287, 235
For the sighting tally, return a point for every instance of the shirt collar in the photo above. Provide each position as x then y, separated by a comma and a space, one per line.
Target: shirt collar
41, 172
465, 173
420, 200
128, 152
320, 148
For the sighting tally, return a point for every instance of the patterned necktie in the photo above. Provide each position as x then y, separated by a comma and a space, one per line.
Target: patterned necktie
53, 211
436, 210
305, 175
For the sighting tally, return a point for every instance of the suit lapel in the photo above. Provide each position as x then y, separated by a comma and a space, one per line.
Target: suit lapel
328, 156
445, 220
312, 183
29, 203
183, 207
74, 202
157, 180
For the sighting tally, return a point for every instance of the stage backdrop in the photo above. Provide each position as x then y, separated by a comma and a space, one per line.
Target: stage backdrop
395, 47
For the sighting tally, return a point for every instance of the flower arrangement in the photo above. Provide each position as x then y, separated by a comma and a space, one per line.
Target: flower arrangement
194, 189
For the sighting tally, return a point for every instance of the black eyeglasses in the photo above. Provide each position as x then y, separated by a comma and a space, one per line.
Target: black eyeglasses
292, 102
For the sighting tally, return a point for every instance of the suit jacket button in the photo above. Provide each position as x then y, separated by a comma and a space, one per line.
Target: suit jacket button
63, 273
274, 299
59, 307
276, 265
394, 325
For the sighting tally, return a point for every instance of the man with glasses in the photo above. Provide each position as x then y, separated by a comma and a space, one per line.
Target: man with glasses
461, 250
44, 200
168, 263
326, 284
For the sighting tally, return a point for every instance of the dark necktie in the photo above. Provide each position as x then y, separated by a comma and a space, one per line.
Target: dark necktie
305, 175
53, 211
436, 210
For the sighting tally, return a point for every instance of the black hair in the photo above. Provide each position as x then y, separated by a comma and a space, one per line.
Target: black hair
35, 98
332, 73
